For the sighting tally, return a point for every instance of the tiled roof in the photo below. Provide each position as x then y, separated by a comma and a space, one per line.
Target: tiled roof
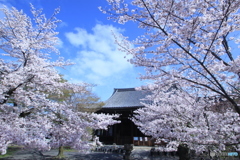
126, 97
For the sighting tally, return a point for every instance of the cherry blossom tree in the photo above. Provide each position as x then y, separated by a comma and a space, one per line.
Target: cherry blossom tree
28, 76
190, 42
73, 115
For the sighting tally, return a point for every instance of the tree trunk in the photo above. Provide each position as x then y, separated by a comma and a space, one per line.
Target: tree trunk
60, 152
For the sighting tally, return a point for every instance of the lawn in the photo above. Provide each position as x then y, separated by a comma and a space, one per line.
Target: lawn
10, 151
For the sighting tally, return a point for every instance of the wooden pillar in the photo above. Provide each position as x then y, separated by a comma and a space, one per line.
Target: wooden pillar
131, 125
115, 132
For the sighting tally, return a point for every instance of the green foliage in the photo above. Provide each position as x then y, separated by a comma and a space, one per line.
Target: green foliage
83, 101
88, 101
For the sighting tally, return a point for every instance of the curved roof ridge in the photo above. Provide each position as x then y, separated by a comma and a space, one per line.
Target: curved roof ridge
126, 98
124, 89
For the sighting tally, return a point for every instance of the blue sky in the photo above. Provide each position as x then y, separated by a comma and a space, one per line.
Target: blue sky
87, 40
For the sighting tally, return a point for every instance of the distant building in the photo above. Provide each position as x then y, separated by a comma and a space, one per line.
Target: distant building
124, 101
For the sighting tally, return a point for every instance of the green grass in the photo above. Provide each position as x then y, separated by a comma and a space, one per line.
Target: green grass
10, 151
68, 149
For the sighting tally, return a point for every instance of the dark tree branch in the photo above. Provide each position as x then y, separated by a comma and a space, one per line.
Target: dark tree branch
225, 44
10, 92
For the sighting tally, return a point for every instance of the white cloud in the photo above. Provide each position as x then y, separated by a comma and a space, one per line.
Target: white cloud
62, 24
98, 56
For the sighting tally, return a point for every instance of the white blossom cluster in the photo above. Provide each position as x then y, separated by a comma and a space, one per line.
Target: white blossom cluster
183, 118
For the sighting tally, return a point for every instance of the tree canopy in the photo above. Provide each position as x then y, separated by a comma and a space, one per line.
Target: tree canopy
28, 75
191, 44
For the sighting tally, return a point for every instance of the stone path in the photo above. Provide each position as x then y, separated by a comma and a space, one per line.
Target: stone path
138, 153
